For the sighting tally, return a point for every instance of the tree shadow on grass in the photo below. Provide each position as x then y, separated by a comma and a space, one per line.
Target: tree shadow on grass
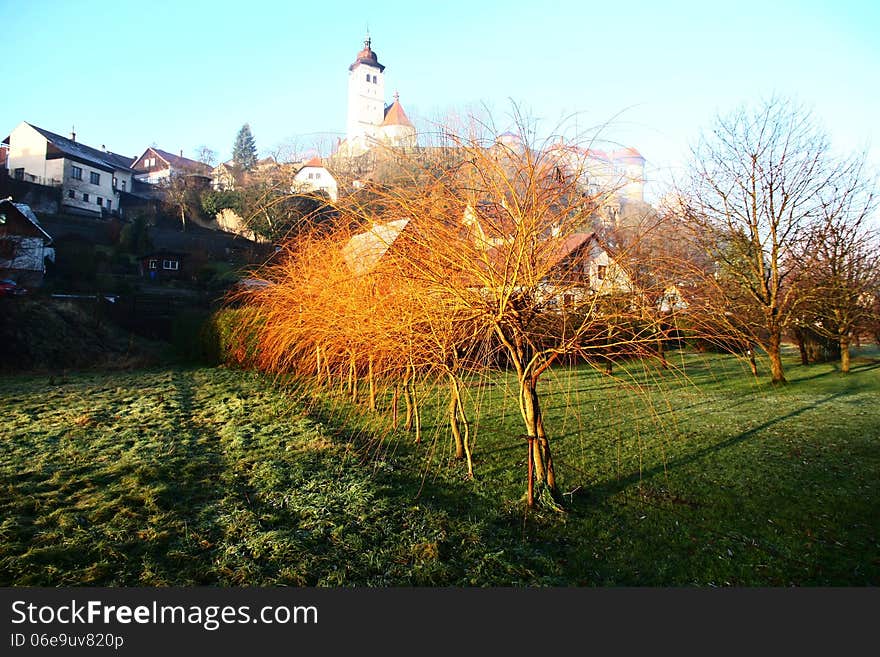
604, 490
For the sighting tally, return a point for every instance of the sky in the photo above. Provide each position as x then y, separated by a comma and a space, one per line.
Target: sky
650, 75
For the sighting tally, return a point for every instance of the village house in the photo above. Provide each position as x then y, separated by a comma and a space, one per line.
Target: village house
314, 177
162, 265
25, 246
156, 166
90, 179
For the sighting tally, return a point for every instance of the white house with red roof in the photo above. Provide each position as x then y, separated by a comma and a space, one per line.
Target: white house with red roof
314, 177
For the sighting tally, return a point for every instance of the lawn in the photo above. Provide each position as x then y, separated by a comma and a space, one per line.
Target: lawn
698, 475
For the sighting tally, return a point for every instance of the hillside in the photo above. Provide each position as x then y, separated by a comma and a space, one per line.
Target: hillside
44, 334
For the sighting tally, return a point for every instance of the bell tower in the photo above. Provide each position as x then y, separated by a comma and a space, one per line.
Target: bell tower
366, 98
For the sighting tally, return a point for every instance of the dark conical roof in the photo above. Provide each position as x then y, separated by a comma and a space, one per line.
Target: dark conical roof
367, 56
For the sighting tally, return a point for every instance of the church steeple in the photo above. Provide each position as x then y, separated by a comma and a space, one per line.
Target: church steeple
366, 97
367, 56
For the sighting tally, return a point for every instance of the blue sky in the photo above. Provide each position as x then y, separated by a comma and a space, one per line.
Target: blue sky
183, 74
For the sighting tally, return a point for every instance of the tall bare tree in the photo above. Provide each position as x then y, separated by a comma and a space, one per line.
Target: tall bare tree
758, 185
842, 265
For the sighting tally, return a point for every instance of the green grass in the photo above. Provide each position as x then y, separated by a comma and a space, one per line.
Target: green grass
697, 475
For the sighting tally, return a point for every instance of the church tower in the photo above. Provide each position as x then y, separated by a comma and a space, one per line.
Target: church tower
366, 99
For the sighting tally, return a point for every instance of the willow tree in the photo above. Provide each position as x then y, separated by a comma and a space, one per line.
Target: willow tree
487, 260
757, 184
501, 243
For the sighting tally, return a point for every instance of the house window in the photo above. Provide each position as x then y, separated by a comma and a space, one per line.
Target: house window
600, 272
85, 197
368, 77
100, 201
170, 264
71, 193
109, 203
76, 173
19, 173
95, 178
115, 182
123, 185
154, 264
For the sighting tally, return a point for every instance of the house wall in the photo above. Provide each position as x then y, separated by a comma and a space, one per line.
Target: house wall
27, 150
400, 136
78, 187
28, 255
123, 182
151, 168
320, 180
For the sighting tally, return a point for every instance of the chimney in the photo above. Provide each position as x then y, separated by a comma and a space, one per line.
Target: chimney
72, 133
181, 152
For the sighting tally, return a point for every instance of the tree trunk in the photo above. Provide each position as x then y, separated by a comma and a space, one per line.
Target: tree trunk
413, 414
802, 347
466, 438
661, 352
775, 355
753, 365
453, 418
353, 372
394, 404
844, 353
542, 463
408, 422
371, 379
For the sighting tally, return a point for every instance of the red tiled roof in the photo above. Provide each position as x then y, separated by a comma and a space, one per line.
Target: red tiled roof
571, 244
395, 115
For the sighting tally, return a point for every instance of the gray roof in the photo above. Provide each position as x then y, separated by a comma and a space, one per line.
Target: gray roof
28, 214
364, 250
83, 153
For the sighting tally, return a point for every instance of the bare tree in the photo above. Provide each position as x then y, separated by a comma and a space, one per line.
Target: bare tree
181, 196
206, 155
842, 265
759, 183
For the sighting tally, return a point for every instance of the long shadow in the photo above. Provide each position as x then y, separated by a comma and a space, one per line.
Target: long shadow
609, 488
192, 479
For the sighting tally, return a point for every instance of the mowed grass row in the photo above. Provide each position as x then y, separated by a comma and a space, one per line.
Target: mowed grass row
693, 475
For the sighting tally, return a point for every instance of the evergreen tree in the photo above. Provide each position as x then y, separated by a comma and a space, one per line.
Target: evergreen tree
244, 152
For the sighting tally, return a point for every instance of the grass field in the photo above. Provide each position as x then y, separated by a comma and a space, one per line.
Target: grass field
694, 476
